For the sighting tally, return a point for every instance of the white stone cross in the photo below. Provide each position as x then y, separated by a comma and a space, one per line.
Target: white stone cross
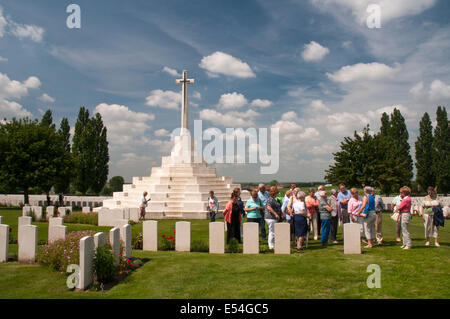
184, 102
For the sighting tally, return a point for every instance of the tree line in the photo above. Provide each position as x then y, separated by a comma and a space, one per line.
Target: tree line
35, 156
383, 159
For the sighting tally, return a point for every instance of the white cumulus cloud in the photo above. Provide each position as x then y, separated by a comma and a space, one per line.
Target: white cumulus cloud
231, 119
225, 64
165, 99
46, 98
362, 72
439, 91
261, 103
313, 51
171, 71
232, 100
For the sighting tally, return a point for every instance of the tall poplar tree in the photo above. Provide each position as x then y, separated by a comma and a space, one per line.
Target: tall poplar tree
83, 152
101, 154
64, 176
441, 151
424, 154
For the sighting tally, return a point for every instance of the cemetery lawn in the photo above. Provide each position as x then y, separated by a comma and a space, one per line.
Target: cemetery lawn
422, 272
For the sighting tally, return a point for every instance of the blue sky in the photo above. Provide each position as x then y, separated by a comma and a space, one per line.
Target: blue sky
311, 68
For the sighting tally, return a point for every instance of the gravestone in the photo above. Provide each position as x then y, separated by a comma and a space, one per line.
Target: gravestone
282, 238
26, 210
150, 235
28, 238
50, 211
251, 238
23, 220
216, 238
62, 211
125, 234
134, 214
86, 262
86, 209
114, 240
4, 243
55, 221
56, 232
183, 236
37, 210
99, 240
69, 209
120, 223
352, 238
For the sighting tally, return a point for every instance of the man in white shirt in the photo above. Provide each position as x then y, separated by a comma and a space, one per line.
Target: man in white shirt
142, 205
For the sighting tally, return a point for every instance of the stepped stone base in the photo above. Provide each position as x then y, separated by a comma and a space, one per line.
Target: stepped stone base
179, 189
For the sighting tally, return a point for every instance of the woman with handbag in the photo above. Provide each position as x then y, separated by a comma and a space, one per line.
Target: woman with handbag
405, 216
232, 216
428, 203
334, 204
272, 215
367, 211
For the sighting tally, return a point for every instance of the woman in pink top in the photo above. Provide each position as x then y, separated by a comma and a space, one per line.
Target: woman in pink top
312, 206
354, 204
405, 210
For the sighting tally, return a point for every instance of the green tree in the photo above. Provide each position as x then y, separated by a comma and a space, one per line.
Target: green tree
116, 183
30, 155
82, 150
101, 153
273, 183
63, 179
424, 154
441, 151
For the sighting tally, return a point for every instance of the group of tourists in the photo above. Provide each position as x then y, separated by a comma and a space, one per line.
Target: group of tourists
319, 215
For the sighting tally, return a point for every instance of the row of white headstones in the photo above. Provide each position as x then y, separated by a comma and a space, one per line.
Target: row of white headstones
28, 241
50, 211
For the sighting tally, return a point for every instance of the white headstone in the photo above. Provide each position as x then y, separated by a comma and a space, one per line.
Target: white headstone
24, 220
50, 211
56, 232
4, 243
86, 262
1, 220
55, 221
150, 235
37, 210
99, 240
125, 234
183, 236
28, 238
352, 238
26, 210
282, 238
134, 214
86, 209
114, 240
216, 238
62, 211
251, 238
120, 223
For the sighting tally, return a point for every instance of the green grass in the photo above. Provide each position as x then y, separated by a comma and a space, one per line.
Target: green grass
315, 273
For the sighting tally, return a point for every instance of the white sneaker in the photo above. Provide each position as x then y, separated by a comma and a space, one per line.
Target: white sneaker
427, 243
407, 248
403, 246
437, 245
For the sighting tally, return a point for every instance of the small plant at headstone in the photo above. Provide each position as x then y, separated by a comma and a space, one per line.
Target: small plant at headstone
233, 246
12, 240
138, 241
132, 222
167, 243
104, 268
199, 246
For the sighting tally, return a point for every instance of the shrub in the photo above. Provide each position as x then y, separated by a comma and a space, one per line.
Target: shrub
233, 246
138, 242
132, 222
200, 246
104, 268
61, 253
82, 218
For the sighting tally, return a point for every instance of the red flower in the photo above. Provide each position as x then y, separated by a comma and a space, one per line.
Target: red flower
10, 229
174, 231
173, 239
164, 236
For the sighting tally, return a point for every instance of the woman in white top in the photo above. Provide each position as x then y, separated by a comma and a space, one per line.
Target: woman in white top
300, 216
